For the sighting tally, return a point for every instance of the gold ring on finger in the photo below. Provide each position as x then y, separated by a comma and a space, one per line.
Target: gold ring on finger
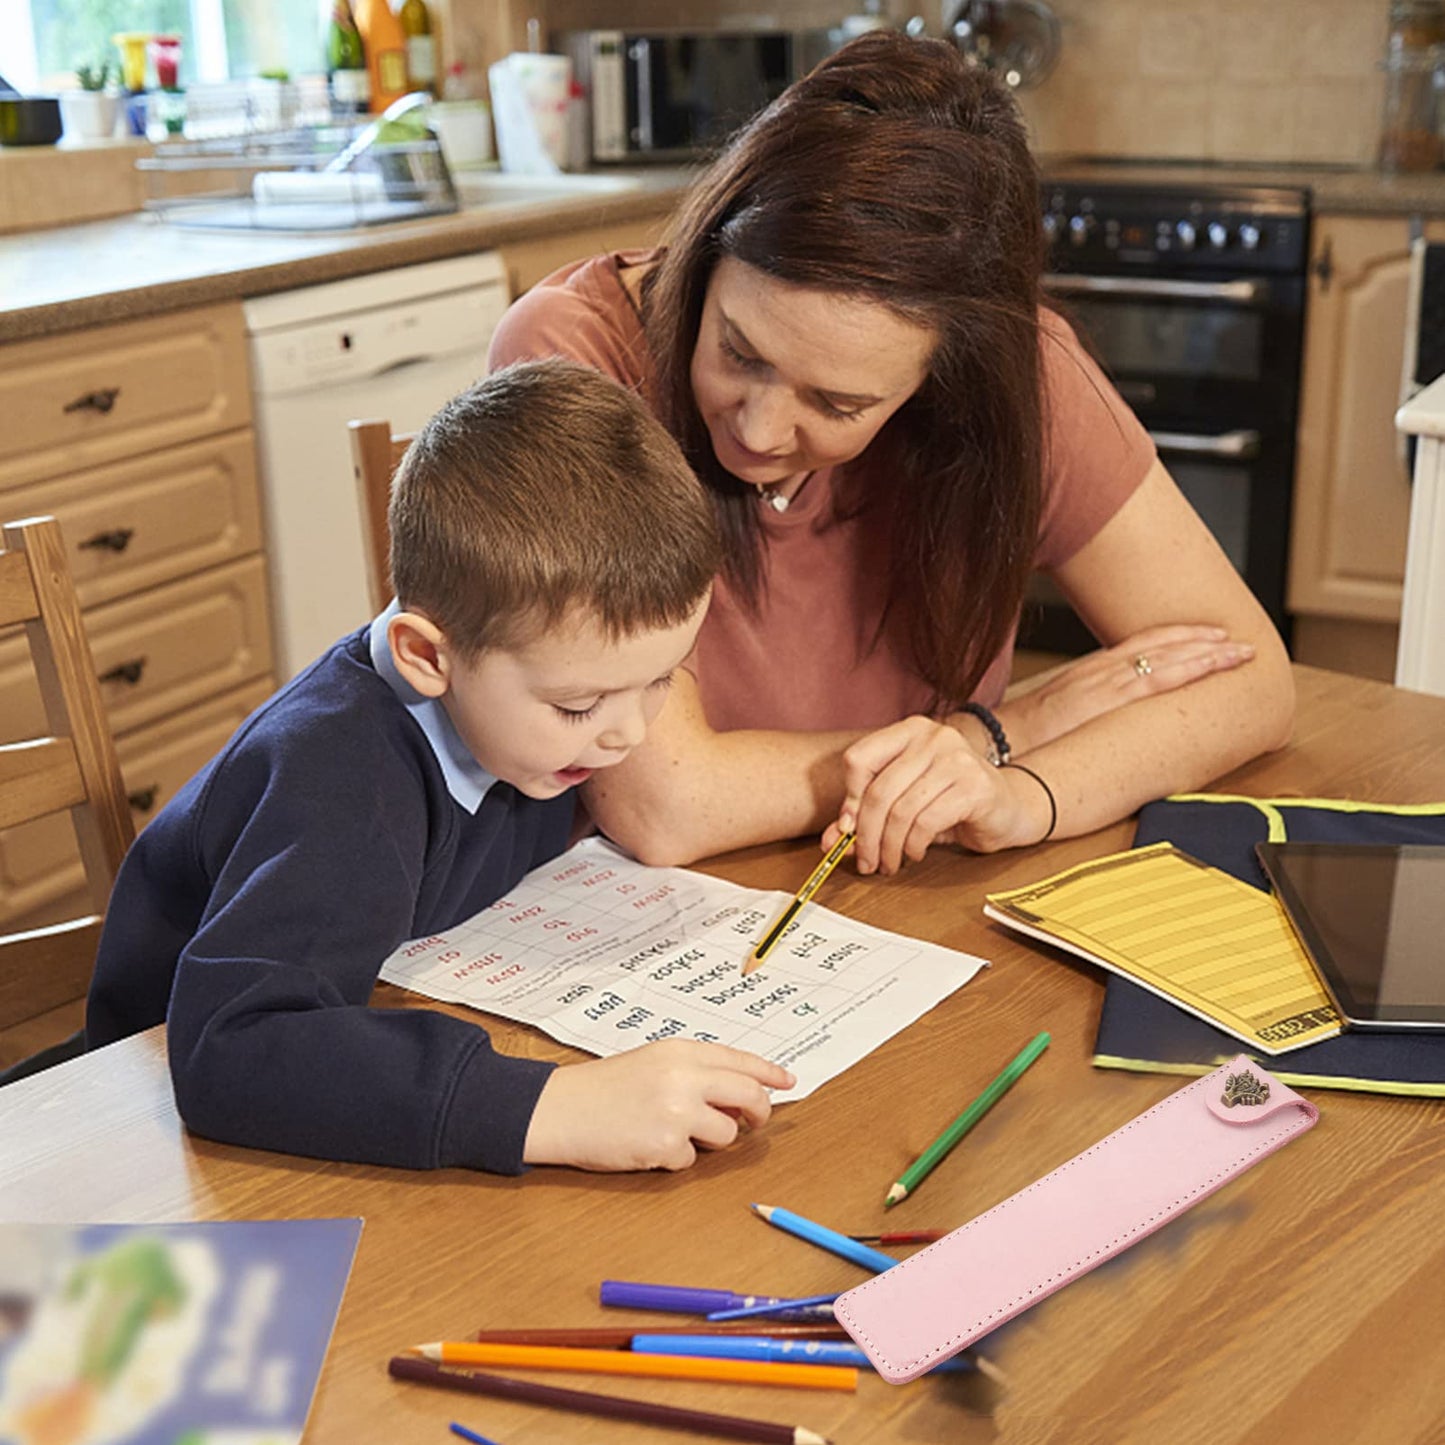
1142, 665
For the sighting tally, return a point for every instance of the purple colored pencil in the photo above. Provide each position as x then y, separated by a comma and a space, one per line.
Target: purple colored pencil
813, 1306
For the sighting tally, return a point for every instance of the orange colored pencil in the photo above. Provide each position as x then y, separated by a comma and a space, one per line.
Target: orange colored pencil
623, 1362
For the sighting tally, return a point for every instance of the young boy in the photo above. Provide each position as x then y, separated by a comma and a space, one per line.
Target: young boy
552, 557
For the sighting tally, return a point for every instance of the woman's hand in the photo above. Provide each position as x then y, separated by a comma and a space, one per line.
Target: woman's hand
918, 782
1156, 660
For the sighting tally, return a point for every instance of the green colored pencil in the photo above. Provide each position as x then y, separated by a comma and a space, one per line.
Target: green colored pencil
923, 1166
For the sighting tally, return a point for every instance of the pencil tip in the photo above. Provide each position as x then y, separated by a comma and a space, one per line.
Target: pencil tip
896, 1194
766, 1210
427, 1352
990, 1371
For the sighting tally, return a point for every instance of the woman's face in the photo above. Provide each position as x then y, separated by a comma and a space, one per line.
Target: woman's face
790, 379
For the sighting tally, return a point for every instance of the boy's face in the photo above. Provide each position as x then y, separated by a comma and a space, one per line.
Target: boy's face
546, 715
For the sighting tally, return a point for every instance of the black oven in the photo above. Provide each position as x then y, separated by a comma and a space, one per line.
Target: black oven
1193, 300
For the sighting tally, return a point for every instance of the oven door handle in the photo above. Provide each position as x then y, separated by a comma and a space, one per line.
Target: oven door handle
1243, 293
1229, 445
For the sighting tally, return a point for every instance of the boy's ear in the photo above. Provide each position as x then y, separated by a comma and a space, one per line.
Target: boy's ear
419, 650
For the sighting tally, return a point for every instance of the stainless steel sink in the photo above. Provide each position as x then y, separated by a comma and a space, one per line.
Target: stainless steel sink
498, 188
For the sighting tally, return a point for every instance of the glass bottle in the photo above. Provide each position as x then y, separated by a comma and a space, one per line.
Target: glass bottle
421, 55
385, 43
347, 77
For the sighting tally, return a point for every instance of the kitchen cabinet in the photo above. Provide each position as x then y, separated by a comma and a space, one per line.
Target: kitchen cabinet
138, 438
1352, 489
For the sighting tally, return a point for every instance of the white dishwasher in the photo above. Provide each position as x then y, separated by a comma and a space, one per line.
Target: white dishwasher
394, 346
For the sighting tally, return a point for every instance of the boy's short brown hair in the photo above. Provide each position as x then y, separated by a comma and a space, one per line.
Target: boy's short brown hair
544, 487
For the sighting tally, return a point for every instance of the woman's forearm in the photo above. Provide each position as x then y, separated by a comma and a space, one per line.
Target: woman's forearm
689, 792
1176, 742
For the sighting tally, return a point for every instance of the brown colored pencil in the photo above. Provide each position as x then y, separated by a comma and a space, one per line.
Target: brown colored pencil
699, 1422
619, 1337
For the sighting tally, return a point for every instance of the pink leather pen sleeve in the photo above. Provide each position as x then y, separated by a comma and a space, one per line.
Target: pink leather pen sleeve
945, 1297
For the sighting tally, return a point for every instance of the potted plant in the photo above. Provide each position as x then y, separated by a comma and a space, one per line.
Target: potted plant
89, 113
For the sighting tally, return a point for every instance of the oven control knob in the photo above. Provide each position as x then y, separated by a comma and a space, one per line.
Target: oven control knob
1249, 236
1080, 228
1218, 235
1186, 235
1051, 226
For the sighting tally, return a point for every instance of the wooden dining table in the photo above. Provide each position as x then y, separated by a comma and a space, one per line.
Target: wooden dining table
1303, 1302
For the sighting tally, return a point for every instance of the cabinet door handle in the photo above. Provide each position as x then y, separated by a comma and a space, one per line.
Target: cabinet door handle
144, 799
100, 401
116, 540
129, 672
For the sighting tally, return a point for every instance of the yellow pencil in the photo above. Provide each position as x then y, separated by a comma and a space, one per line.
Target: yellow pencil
623, 1362
831, 859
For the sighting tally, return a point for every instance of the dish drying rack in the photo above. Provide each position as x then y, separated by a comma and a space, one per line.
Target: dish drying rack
326, 178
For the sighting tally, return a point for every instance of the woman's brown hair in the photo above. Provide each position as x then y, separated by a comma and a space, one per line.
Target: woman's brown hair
895, 172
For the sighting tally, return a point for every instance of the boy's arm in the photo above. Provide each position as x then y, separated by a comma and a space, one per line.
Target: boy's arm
271, 1042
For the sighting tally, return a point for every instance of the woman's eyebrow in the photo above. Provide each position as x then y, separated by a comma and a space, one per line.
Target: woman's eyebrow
738, 338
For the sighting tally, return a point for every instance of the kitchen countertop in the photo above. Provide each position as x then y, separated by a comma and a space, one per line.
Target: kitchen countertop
68, 277
1351, 190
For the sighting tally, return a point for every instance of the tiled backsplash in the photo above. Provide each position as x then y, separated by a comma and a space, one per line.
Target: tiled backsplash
1267, 80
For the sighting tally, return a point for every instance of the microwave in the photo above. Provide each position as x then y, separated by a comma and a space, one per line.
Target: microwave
669, 94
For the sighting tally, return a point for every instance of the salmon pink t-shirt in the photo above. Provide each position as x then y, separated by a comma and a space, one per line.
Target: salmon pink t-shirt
806, 658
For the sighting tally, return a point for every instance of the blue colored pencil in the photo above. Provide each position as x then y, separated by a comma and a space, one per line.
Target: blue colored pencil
471, 1435
826, 1238
760, 1347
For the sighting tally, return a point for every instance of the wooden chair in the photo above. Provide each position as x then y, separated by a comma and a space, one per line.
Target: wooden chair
44, 973
375, 452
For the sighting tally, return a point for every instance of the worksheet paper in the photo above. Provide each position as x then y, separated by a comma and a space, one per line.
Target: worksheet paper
605, 954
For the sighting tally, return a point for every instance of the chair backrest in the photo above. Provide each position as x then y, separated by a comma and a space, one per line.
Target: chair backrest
375, 452
73, 768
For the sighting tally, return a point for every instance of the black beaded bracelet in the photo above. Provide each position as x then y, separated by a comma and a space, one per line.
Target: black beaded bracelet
1048, 793
1001, 752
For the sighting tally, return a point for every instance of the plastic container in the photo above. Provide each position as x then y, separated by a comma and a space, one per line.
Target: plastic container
464, 128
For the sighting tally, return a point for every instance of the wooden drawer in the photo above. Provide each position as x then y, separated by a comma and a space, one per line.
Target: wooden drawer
157, 652
138, 523
40, 863
168, 379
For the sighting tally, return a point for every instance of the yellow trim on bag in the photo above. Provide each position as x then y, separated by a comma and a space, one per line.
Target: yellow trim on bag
1295, 1081
1337, 805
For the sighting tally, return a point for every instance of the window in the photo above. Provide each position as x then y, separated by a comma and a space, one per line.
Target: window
42, 41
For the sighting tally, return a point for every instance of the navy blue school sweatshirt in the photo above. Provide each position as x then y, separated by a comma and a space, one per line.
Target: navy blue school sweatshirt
254, 913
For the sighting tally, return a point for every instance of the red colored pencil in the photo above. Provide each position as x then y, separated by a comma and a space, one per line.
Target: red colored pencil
619, 1337
902, 1236
701, 1422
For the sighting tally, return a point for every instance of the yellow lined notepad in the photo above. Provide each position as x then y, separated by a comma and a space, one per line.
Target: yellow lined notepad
1188, 932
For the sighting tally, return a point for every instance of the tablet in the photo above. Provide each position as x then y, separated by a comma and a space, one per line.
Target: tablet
1372, 919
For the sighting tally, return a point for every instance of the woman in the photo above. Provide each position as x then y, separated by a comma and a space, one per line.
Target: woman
845, 332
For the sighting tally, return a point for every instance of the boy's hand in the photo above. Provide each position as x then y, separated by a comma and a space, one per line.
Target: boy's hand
652, 1107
